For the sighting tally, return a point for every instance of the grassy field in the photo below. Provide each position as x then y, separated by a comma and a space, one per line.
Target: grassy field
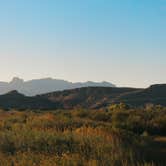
115, 136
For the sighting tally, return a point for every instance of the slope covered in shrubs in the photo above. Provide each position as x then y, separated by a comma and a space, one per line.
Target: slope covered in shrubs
115, 136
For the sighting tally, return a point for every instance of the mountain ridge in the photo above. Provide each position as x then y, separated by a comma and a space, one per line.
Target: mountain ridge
86, 97
45, 85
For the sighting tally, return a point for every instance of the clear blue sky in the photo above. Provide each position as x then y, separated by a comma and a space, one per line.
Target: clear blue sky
121, 41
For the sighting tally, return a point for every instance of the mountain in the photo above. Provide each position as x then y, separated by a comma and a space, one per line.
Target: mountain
155, 94
45, 85
16, 100
97, 97
86, 97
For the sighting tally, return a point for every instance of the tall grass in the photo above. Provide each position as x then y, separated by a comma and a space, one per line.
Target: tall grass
71, 138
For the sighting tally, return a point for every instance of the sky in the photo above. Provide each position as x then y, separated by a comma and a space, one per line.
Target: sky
120, 41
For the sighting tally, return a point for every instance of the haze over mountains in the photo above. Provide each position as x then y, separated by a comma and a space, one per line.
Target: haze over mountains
86, 97
45, 85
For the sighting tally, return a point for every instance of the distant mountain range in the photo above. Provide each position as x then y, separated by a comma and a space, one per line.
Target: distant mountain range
87, 97
45, 85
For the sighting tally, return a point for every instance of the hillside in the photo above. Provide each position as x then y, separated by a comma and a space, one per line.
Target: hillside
87, 97
155, 94
16, 100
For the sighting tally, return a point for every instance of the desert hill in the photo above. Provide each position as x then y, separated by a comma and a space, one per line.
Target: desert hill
86, 97
155, 94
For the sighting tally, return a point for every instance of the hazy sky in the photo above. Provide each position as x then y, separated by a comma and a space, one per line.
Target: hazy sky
121, 41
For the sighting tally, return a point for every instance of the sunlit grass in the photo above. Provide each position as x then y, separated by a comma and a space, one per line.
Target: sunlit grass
82, 137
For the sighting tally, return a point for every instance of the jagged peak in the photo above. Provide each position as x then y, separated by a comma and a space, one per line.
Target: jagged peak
16, 80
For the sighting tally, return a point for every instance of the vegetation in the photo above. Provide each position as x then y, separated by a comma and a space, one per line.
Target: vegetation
114, 136
86, 98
